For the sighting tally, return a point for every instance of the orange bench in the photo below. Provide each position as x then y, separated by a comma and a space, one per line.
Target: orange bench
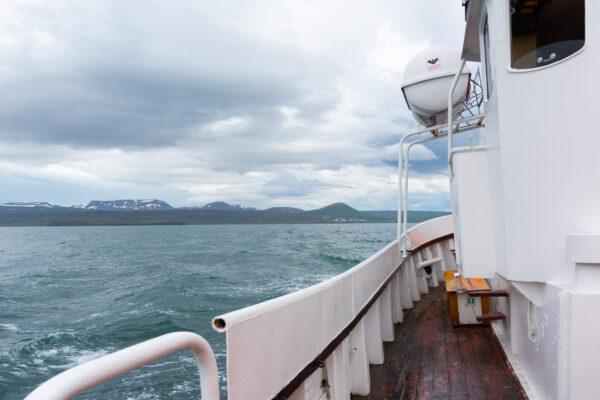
464, 307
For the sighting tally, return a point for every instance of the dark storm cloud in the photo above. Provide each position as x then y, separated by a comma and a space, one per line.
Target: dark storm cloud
134, 87
133, 108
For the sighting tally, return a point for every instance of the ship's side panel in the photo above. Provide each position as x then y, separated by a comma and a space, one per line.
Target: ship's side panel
543, 147
534, 335
489, 136
473, 221
542, 155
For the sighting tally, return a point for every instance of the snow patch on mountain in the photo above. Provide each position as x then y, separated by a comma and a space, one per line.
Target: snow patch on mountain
151, 204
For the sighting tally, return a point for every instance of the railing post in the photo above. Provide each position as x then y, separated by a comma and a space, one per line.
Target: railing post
397, 311
412, 276
373, 335
405, 292
360, 378
385, 314
337, 366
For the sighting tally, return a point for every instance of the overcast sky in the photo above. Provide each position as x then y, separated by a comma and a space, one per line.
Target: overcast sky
260, 103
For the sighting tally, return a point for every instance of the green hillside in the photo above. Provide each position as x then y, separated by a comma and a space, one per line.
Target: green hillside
344, 211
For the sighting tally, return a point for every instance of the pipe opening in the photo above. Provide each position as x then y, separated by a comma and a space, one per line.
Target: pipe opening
219, 323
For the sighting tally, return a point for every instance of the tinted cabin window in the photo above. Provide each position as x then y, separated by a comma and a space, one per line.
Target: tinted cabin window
545, 31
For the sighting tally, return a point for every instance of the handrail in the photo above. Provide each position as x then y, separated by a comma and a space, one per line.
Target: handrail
451, 103
432, 242
82, 377
458, 150
450, 94
401, 237
319, 361
428, 139
319, 319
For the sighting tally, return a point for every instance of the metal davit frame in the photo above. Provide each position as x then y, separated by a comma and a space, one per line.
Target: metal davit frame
458, 126
472, 118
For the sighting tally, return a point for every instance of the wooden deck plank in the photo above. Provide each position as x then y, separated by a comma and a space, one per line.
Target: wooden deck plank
432, 359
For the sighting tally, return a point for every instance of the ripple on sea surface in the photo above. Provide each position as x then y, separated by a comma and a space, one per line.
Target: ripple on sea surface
70, 294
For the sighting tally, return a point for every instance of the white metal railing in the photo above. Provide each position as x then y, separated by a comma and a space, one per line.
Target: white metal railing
87, 375
340, 324
332, 331
450, 103
458, 150
403, 181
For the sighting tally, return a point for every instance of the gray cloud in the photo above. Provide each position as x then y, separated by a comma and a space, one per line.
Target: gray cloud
212, 92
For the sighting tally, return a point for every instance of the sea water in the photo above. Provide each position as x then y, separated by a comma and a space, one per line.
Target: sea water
71, 294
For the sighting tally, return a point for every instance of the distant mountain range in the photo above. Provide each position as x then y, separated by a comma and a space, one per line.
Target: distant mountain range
128, 205
222, 206
158, 212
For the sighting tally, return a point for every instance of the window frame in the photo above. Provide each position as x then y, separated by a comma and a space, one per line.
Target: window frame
485, 57
507, 22
488, 81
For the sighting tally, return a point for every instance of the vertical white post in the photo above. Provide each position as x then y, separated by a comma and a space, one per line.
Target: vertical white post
450, 95
442, 264
360, 379
412, 277
447, 255
421, 276
310, 388
406, 298
337, 366
373, 335
433, 280
385, 315
450, 108
397, 312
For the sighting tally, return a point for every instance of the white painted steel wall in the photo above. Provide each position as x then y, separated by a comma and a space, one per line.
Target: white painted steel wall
470, 188
551, 329
268, 344
543, 153
542, 173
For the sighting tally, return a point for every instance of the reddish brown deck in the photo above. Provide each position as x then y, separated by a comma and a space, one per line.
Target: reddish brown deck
431, 359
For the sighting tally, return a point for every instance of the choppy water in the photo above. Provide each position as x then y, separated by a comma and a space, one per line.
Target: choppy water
68, 295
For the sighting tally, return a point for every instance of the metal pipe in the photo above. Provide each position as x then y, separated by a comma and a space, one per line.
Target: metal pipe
401, 238
78, 379
451, 104
463, 150
428, 139
450, 108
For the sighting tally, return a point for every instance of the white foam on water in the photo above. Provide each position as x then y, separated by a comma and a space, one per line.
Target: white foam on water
9, 327
86, 355
150, 395
48, 353
184, 387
